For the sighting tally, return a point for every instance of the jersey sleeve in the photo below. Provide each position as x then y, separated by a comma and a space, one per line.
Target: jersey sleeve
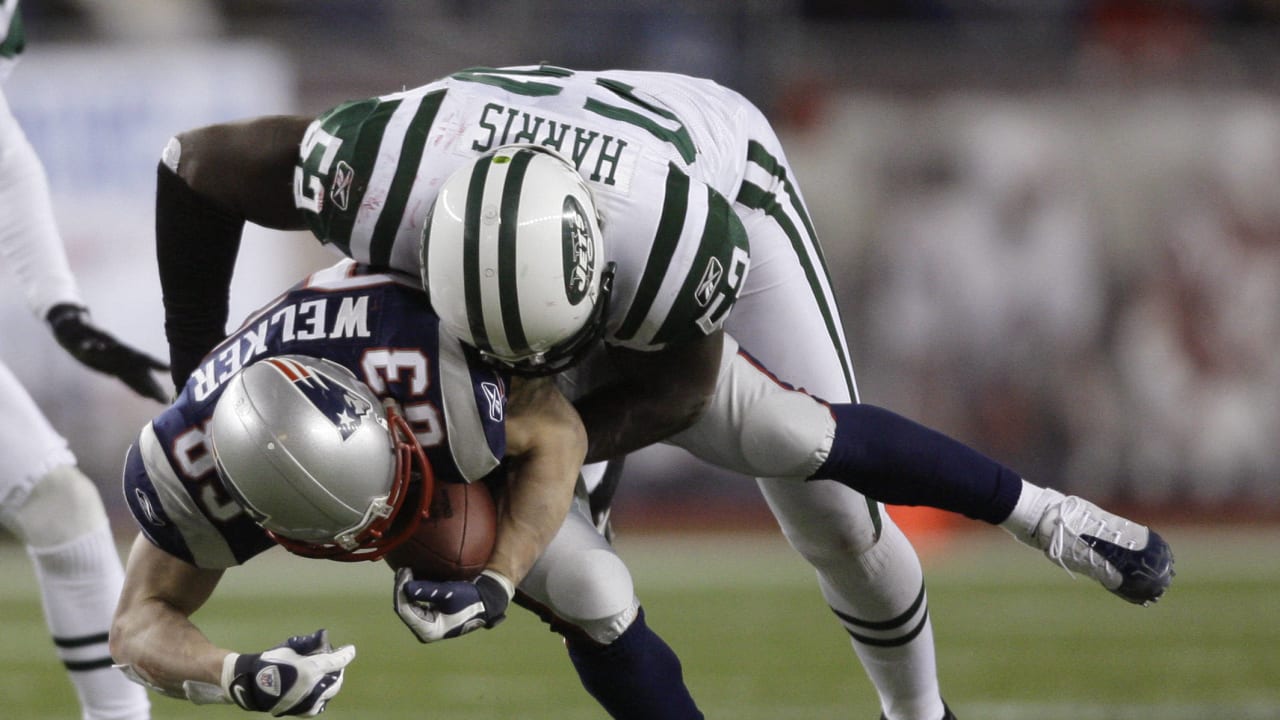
180, 514
693, 266
356, 171
475, 404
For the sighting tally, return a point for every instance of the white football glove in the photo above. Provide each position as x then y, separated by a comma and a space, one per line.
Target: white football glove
297, 677
440, 610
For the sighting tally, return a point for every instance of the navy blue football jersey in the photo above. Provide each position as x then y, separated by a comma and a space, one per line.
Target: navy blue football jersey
382, 328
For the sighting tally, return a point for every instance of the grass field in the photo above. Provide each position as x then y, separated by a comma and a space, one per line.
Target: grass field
1017, 638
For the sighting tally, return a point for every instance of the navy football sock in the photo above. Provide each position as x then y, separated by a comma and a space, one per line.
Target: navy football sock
636, 677
900, 462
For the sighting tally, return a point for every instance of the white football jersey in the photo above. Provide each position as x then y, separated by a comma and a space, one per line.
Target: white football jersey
663, 154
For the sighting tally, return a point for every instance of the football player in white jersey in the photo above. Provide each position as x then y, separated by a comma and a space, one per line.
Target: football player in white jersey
45, 500
296, 450
702, 241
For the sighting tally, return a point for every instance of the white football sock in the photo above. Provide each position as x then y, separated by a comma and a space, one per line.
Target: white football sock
1030, 510
80, 583
883, 606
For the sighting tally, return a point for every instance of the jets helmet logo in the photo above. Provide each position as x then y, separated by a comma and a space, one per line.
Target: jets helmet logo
345, 409
579, 251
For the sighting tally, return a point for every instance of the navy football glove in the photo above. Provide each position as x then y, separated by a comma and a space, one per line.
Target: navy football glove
441, 610
102, 352
297, 677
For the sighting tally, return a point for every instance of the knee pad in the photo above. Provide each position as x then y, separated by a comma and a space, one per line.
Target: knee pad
596, 595
786, 434
61, 507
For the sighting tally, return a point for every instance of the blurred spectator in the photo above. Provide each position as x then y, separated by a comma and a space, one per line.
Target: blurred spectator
1197, 343
992, 298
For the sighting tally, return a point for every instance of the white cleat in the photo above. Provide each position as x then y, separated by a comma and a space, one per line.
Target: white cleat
1128, 559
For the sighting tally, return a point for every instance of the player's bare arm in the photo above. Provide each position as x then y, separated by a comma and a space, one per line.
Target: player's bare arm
157, 645
209, 183
545, 446
244, 167
152, 632
546, 443
658, 394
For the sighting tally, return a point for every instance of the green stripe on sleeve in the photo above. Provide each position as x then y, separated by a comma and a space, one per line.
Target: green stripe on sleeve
675, 204
722, 233
360, 125
389, 220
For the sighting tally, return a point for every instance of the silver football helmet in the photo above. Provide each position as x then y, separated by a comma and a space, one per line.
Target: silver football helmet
513, 258
311, 454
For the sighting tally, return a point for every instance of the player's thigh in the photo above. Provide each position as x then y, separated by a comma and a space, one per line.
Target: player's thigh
29, 445
787, 318
581, 580
758, 426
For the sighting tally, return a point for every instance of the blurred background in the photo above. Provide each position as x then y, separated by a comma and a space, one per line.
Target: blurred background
1054, 224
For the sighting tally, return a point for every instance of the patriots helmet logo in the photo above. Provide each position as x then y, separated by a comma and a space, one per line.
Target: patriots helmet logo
345, 409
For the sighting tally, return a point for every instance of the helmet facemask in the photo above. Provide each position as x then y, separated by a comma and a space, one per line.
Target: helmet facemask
568, 352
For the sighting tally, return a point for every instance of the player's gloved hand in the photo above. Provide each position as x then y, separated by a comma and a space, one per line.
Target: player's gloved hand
297, 677
102, 352
440, 610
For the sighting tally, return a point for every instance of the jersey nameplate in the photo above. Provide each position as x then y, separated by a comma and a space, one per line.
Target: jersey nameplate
604, 158
305, 321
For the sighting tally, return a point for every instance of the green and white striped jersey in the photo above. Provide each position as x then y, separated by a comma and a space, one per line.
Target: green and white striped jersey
661, 152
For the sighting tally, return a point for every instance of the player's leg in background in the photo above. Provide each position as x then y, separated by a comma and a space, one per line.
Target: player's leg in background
868, 571
582, 589
57, 513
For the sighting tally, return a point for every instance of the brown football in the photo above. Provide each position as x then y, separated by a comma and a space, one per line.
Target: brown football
456, 541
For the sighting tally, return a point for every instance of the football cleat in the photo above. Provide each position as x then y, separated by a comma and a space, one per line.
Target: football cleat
949, 716
1128, 559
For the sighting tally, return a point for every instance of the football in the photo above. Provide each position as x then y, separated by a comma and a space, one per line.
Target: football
456, 541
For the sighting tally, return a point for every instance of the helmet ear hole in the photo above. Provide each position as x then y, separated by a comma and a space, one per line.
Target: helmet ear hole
313, 457
513, 258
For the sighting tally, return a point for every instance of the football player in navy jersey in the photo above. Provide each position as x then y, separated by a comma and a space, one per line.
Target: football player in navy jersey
280, 436
627, 230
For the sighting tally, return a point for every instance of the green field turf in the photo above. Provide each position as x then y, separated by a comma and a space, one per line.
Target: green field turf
1017, 638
